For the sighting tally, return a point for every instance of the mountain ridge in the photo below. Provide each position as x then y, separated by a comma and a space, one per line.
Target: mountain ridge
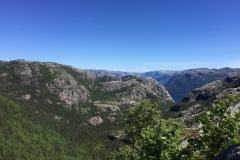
73, 85
72, 104
180, 83
193, 104
177, 83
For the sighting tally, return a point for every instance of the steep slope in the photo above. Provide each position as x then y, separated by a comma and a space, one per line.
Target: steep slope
71, 86
162, 76
100, 73
21, 138
200, 98
74, 104
181, 83
136, 88
1, 62
178, 83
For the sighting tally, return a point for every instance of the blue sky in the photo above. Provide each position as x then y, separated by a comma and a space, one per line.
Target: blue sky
126, 35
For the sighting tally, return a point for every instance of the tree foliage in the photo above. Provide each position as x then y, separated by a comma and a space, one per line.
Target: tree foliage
150, 136
21, 138
219, 130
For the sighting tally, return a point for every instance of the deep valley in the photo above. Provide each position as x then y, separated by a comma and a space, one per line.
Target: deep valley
53, 110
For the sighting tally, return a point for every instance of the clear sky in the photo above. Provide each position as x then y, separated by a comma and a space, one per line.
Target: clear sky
126, 35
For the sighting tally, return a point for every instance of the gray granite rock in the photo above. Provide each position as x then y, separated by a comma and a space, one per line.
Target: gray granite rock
230, 153
68, 90
135, 87
95, 121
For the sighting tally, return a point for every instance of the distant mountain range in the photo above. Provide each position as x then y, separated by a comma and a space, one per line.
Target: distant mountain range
162, 76
1, 62
178, 83
189, 109
99, 73
183, 82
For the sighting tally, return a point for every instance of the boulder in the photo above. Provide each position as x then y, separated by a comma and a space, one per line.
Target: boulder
129, 77
230, 153
108, 107
229, 91
95, 121
118, 136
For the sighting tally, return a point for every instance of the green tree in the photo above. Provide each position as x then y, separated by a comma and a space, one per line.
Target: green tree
150, 137
219, 129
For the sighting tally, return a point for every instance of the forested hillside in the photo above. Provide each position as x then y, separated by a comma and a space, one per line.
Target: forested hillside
53, 111
26, 135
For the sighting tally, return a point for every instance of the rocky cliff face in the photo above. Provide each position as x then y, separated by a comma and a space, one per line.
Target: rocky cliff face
73, 86
68, 90
107, 78
230, 153
58, 79
183, 82
202, 97
214, 89
101, 73
136, 88
177, 83
49, 93
161, 76
2, 62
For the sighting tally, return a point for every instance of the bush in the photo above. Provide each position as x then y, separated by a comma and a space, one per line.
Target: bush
219, 129
150, 136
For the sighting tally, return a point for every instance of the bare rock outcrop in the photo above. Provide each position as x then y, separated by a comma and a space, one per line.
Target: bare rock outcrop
216, 89
108, 108
95, 121
129, 77
135, 87
195, 109
230, 153
22, 72
119, 74
68, 90
26, 97
235, 108
204, 93
207, 94
118, 136
183, 82
84, 76
162, 76
107, 78
229, 91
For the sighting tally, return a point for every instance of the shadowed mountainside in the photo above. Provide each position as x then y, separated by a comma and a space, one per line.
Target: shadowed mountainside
183, 82
201, 98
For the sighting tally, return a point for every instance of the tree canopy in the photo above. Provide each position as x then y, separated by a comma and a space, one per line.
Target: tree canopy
152, 137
